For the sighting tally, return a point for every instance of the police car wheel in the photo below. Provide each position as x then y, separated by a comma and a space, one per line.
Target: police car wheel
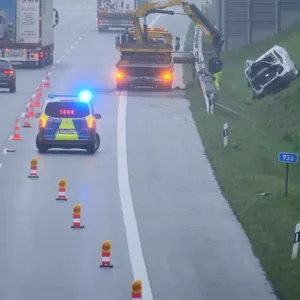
37, 142
43, 149
95, 146
97, 142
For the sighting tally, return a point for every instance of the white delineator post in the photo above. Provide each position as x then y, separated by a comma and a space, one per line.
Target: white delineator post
296, 241
225, 134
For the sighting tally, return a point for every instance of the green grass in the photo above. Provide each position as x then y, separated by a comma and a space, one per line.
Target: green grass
249, 166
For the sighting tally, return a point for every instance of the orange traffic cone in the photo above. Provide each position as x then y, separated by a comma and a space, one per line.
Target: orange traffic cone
77, 217
36, 102
16, 136
47, 81
26, 122
33, 168
41, 89
39, 93
106, 252
30, 108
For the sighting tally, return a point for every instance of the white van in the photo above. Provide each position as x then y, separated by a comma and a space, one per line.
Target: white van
271, 72
3, 25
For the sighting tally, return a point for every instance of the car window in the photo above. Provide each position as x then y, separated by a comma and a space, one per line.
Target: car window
4, 64
278, 56
64, 109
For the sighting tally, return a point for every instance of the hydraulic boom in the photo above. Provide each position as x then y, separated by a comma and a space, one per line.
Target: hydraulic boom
191, 10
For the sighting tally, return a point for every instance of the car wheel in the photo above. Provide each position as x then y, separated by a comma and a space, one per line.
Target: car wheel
37, 142
41, 148
12, 89
97, 142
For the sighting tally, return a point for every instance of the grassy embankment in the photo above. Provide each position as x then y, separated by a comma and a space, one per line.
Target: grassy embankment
248, 166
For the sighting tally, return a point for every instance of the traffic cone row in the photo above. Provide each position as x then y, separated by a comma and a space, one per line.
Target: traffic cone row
136, 286
35, 101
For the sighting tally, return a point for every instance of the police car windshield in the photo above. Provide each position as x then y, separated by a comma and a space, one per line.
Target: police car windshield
65, 109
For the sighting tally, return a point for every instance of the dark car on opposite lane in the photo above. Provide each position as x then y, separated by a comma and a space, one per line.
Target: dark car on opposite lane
7, 76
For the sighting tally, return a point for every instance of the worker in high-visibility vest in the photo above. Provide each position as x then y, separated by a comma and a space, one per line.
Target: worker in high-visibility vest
215, 65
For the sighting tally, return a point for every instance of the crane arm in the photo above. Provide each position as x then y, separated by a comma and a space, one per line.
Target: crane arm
191, 10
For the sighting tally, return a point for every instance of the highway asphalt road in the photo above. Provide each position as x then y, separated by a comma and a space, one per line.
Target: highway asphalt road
192, 244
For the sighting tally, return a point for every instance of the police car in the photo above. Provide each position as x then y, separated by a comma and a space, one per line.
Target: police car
68, 121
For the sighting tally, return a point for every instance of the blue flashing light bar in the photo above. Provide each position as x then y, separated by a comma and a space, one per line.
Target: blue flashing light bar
85, 96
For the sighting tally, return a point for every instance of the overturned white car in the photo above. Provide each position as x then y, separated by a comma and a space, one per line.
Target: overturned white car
271, 72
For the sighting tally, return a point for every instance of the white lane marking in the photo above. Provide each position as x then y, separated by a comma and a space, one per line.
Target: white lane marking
68, 52
1, 165
53, 67
80, 38
22, 115
58, 61
72, 47
11, 137
4, 151
76, 42
138, 265
63, 56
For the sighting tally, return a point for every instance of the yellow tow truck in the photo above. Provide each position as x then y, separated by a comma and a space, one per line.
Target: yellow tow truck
147, 54
149, 65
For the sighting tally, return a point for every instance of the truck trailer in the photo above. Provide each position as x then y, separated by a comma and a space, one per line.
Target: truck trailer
116, 14
26, 32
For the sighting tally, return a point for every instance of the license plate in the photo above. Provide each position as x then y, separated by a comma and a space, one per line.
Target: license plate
66, 131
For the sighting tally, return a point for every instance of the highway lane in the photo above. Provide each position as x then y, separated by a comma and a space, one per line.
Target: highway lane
66, 36
42, 257
193, 245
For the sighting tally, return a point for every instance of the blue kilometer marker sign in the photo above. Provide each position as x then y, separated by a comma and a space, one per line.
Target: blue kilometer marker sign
288, 158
